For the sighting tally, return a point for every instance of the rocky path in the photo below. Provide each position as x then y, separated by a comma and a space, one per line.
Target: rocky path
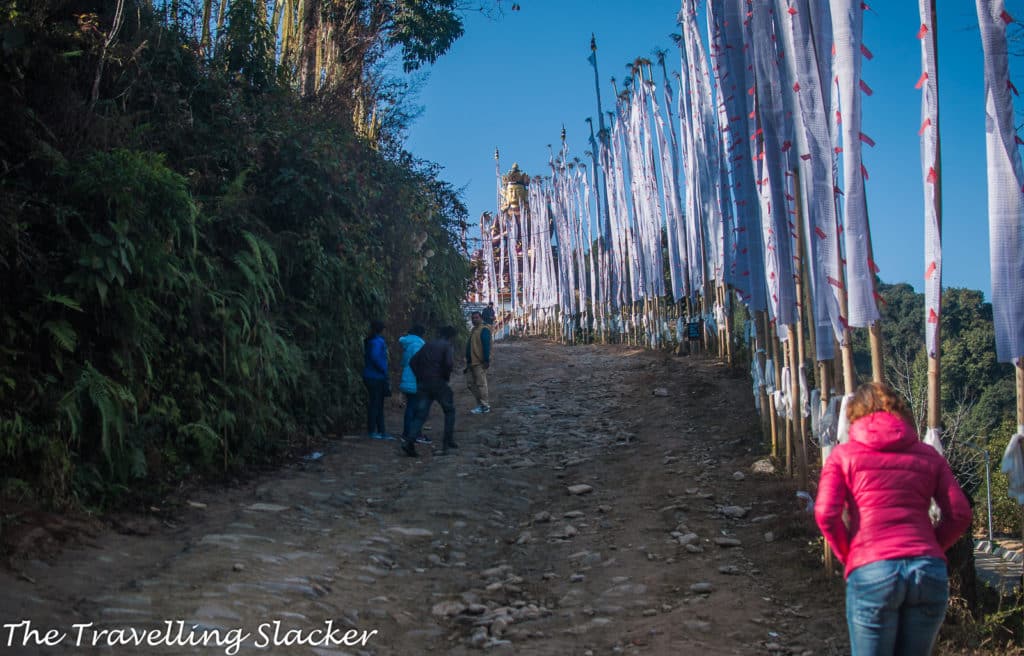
607, 505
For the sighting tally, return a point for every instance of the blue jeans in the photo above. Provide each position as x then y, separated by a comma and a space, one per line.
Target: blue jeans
412, 402
896, 606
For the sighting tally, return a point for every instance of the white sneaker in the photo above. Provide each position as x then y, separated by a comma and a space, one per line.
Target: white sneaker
481, 409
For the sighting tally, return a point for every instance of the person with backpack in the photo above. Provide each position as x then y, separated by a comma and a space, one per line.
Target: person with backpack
375, 377
432, 365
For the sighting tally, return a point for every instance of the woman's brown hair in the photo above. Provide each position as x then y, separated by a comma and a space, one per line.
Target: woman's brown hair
876, 397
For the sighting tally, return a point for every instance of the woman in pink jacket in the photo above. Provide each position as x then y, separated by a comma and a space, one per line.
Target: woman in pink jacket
885, 479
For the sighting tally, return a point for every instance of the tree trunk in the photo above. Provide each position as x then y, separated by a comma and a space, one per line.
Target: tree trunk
204, 41
221, 12
309, 49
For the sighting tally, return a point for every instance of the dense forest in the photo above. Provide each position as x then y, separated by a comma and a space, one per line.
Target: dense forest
203, 204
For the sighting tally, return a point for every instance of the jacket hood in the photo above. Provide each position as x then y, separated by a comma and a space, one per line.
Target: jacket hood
407, 340
883, 431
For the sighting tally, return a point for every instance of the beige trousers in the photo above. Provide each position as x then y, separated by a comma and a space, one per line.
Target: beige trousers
477, 384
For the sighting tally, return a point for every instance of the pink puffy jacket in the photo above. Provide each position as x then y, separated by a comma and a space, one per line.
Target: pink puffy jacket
886, 479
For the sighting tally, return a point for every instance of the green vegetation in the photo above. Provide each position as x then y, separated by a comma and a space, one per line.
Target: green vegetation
203, 204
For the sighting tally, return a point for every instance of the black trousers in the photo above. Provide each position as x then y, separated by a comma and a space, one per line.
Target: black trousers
375, 404
428, 392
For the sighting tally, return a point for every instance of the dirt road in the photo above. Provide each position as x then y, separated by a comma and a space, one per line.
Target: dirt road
585, 514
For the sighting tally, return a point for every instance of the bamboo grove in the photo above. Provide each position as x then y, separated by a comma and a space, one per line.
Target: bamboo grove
737, 188
203, 204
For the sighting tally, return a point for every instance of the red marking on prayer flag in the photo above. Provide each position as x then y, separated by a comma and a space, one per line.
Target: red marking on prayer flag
821, 233
874, 267
1007, 18
1009, 85
786, 145
932, 316
1018, 140
837, 190
865, 88
835, 283
866, 139
867, 53
752, 115
930, 271
838, 149
864, 172
756, 134
792, 11
771, 276
839, 117
921, 80
796, 87
750, 91
924, 126
865, 6
932, 175
921, 32
833, 49
789, 197
805, 156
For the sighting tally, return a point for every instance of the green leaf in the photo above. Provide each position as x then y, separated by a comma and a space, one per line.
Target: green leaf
66, 301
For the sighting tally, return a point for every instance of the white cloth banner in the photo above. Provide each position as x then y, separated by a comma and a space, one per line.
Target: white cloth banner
776, 225
929, 172
822, 235
726, 29
1005, 185
847, 31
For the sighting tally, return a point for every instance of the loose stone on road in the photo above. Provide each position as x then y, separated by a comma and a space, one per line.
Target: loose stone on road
583, 514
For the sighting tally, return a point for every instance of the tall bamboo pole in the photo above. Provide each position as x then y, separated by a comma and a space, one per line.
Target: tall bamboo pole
792, 427
797, 334
935, 359
773, 351
1019, 367
761, 346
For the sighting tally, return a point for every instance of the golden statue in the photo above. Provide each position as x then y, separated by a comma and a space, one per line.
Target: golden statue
515, 182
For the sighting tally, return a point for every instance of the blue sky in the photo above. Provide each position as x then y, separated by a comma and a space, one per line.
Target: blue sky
512, 83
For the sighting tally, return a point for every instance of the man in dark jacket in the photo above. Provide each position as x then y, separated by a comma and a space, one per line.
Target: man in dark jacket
432, 366
488, 314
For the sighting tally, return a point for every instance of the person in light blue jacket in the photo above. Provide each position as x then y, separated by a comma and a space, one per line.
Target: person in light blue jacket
375, 376
411, 344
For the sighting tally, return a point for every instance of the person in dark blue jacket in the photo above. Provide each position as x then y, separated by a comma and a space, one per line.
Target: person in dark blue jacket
375, 376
